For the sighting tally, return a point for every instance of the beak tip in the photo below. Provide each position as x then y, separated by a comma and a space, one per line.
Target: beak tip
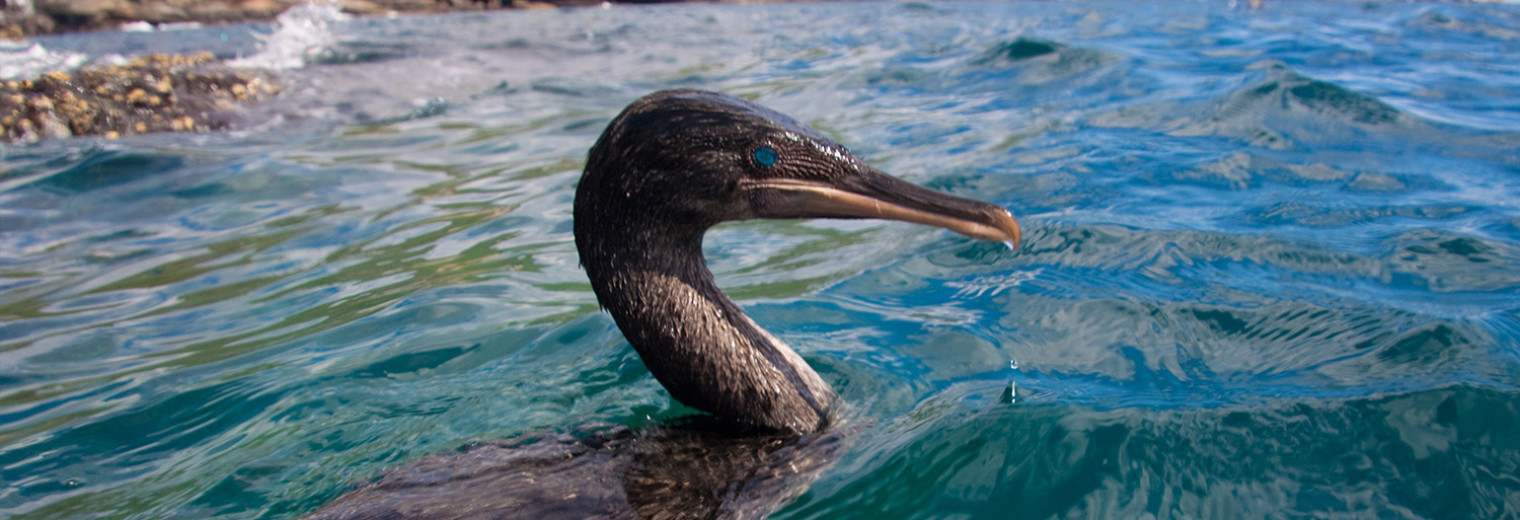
1010, 227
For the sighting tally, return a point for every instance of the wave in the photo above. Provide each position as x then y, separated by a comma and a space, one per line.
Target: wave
1113, 316
302, 35
1290, 92
29, 60
1439, 453
1019, 50
1278, 112
1041, 61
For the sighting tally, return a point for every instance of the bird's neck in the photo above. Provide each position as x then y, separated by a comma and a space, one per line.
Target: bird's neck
693, 338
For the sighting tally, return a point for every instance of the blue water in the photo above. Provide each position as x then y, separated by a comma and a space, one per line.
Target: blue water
1270, 266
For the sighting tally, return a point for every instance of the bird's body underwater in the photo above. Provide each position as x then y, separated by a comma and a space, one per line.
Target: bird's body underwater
669, 167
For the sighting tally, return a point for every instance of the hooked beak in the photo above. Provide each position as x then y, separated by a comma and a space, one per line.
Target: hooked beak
874, 194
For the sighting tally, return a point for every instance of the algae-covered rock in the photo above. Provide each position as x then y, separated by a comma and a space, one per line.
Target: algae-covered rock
155, 93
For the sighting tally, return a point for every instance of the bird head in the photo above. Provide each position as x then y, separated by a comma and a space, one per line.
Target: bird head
709, 158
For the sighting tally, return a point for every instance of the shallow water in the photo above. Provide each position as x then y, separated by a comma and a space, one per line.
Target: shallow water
1270, 267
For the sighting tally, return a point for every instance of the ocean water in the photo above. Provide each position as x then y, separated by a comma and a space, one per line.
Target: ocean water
1270, 268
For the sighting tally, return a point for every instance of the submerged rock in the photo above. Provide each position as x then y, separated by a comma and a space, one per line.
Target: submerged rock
154, 93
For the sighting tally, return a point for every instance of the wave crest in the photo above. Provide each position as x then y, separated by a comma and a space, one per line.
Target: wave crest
302, 34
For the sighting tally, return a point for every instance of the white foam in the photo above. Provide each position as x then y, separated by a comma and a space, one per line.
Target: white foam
20, 60
301, 33
178, 26
110, 60
141, 26
138, 26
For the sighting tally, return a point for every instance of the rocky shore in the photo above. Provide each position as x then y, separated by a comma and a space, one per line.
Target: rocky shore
155, 93
20, 18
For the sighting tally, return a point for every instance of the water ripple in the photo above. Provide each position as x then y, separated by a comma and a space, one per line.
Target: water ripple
1270, 261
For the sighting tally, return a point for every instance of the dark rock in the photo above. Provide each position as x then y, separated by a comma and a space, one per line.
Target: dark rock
19, 18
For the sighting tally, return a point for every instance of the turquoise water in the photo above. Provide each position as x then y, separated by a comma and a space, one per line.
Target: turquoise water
1270, 266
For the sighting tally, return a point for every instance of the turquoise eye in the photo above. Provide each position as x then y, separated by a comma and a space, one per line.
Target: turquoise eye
765, 155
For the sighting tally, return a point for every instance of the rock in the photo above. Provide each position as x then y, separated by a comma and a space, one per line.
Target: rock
87, 12
363, 8
263, 9
160, 12
18, 18
156, 93
213, 11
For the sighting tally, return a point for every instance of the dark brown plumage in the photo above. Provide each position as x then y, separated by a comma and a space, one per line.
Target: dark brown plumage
672, 165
